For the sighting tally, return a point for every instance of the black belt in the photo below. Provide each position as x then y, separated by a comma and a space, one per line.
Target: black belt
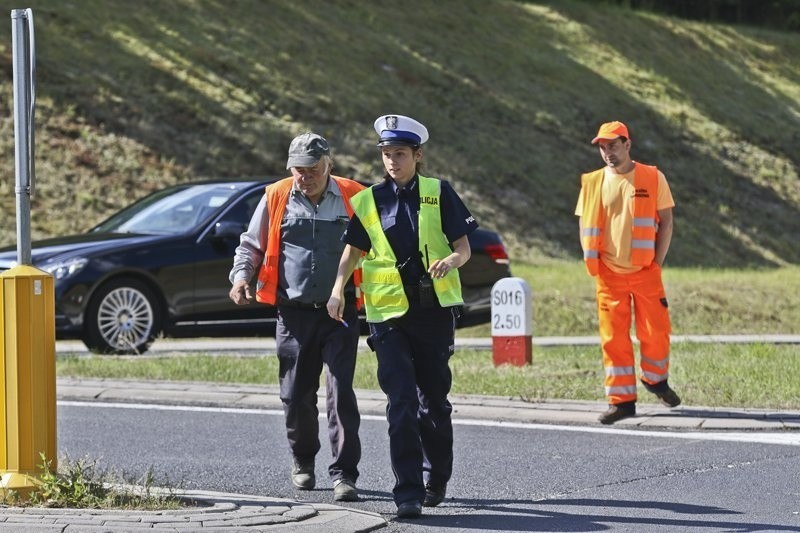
302, 305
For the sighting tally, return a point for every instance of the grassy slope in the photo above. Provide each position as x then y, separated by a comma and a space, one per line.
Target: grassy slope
133, 96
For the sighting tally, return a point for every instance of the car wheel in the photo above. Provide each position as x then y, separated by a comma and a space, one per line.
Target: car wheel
123, 317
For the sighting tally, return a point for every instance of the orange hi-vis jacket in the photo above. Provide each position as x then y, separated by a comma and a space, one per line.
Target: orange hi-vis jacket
277, 195
645, 217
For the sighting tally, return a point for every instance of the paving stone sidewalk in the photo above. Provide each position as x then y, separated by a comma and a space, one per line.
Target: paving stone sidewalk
215, 512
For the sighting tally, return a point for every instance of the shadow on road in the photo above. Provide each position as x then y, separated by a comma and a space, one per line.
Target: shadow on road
523, 515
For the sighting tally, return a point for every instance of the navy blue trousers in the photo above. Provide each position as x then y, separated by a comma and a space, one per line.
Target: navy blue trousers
307, 338
413, 352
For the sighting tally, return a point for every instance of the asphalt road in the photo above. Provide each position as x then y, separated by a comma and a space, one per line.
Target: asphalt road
506, 478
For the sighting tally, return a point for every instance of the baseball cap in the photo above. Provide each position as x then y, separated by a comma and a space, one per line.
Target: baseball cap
306, 150
611, 130
400, 130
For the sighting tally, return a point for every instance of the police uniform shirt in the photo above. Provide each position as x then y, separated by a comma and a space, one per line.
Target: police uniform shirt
398, 209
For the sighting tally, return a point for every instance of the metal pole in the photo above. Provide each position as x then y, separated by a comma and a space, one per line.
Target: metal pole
24, 96
27, 308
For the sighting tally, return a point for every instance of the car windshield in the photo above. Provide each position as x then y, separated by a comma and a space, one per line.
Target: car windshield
172, 211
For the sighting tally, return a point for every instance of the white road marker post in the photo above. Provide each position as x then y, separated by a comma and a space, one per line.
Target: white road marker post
512, 322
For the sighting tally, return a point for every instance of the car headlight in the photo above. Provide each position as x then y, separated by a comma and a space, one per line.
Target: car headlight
65, 269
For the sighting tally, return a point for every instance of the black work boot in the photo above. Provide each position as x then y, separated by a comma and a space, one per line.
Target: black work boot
618, 412
434, 495
409, 509
664, 393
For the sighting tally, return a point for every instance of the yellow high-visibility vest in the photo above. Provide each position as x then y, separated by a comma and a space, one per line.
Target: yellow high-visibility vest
381, 283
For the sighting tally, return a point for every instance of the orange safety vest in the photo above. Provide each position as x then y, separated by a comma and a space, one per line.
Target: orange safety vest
645, 217
277, 195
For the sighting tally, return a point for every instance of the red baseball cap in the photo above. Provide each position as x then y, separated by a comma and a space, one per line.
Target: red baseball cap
611, 131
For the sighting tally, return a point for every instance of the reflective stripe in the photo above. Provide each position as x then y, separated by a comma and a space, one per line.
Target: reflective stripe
655, 378
664, 363
446, 284
644, 244
591, 254
619, 371
616, 391
386, 277
644, 222
385, 300
590, 232
370, 218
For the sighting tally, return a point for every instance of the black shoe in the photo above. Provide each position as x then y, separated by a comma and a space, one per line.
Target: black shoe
664, 393
618, 412
412, 509
434, 495
669, 398
303, 476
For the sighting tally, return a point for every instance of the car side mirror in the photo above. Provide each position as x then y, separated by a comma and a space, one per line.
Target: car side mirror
227, 230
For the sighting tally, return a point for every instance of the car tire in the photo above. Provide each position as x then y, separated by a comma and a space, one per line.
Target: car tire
123, 318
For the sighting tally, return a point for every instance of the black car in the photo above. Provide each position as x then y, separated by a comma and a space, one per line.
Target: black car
160, 266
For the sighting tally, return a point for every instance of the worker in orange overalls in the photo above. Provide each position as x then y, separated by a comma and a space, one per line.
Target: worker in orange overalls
625, 211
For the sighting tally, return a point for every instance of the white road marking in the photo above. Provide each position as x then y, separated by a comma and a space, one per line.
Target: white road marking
784, 438
758, 437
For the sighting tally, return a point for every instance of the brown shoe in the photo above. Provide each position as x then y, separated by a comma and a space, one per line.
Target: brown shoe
618, 412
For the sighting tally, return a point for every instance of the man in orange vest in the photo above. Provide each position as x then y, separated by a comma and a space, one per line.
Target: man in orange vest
293, 243
625, 222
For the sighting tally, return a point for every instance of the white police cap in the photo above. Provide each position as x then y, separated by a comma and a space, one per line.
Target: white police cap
400, 130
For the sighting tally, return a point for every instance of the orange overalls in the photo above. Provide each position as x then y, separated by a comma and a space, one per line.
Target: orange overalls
616, 291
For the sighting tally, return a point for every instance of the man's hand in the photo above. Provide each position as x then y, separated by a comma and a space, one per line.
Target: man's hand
240, 293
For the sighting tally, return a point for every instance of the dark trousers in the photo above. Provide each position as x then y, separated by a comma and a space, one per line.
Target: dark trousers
307, 338
413, 353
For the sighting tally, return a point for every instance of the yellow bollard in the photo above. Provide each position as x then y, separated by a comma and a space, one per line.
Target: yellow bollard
28, 377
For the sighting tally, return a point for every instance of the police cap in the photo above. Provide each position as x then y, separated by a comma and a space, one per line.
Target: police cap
400, 130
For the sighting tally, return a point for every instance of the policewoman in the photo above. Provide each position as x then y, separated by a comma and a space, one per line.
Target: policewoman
413, 230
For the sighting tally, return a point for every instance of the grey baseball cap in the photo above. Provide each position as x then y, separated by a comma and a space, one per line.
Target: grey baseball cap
306, 150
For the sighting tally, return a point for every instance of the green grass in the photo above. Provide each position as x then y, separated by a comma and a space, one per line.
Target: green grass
708, 375
702, 301
82, 484
134, 97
